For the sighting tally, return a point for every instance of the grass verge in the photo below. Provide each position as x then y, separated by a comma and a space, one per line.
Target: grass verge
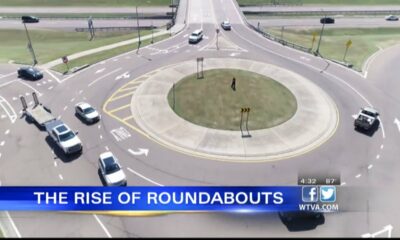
210, 102
98, 57
80, 3
365, 42
53, 44
320, 2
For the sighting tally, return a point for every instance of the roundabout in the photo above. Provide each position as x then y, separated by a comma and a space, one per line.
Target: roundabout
314, 121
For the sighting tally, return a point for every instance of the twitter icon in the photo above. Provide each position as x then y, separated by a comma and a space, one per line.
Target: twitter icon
327, 193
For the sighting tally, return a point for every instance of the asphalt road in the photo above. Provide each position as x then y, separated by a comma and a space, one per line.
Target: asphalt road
340, 22
363, 161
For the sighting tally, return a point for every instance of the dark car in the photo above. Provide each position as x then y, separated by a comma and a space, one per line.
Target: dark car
288, 217
29, 73
29, 19
327, 20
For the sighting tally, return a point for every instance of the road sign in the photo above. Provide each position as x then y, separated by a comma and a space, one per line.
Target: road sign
348, 43
65, 59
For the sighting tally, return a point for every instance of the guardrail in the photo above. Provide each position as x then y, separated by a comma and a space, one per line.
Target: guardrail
106, 29
280, 40
320, 13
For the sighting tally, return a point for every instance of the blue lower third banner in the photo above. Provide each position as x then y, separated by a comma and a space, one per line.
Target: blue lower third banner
181, 199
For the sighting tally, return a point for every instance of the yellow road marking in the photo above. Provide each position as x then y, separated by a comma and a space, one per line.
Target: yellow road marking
128, 88
121, 96
119, 108
127, 118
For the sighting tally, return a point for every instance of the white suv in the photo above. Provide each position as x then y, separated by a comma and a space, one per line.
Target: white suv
111, 170
196, 36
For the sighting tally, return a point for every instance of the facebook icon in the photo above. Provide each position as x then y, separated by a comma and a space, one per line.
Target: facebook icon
310, 194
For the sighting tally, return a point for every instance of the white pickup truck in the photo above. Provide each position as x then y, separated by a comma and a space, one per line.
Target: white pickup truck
64, 137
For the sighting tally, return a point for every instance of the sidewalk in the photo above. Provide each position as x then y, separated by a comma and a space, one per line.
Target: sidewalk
179, 26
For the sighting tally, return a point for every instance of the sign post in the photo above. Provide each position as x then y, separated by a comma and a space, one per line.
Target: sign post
65, 60
217, 30
314, 38
348, 45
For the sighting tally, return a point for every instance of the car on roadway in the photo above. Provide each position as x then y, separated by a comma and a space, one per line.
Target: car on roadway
29, 19
391, 18
226, 25
327, 20
64, 137
86, 112
30, 73
366, 118
111, 170
196, 36
288, 217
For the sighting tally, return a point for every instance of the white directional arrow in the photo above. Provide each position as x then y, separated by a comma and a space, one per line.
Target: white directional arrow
124, 75
397, 122
142, 151
100, 70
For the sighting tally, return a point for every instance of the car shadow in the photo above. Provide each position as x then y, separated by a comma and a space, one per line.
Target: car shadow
103, 181
298, 224
59, 153
370, 132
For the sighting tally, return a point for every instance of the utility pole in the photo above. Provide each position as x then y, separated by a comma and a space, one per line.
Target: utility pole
30, 47
137, 21
322, 32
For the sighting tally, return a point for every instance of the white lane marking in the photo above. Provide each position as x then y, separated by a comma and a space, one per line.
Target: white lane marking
124, 75
38, 84
101, 136
14, 98
120, 134
382, 146
7, 132
370, 166
99, 126
185, 36
107, 149
59, 117
0, 155
7, 83
104, 76
55, 164
397, 122
49, 80
358, 176
51, 87
145, 178
141, 151
378, 156
2, 143
343, 183
44, 82
30, 103
8, 109
65, 108
52, 75
60, 176
100, 70
73, 99
80, 92
316, 69
13, 225
102, 226
7, 75
387, 228
3, 116
27, 94
29, 86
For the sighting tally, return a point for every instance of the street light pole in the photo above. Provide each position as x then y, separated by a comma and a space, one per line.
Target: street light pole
30, 46
320, 36
137, 21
